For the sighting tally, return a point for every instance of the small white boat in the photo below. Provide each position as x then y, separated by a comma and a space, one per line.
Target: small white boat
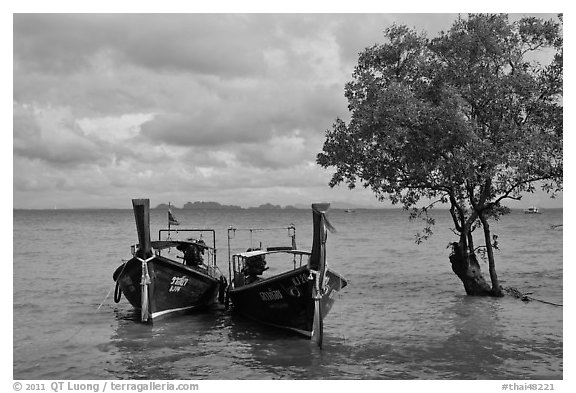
532, 210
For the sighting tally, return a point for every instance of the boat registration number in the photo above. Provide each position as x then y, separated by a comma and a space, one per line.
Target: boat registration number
271, 295
178, 283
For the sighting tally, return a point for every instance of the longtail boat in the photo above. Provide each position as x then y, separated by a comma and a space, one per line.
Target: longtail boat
298, 291
160, 286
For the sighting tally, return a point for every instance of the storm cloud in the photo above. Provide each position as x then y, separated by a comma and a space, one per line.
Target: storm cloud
194, 106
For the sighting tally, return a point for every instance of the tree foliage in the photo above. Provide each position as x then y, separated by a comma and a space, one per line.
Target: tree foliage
469, 118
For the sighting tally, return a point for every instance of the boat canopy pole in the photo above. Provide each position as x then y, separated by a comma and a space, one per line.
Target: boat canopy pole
142, 216
232, 234
169, 219
292, 234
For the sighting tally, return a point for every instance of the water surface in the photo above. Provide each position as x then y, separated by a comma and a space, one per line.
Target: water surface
404, 314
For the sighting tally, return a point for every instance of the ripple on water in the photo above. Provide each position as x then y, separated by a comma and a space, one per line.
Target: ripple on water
404, 314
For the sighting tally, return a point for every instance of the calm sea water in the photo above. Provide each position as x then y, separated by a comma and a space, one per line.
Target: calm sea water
404, 314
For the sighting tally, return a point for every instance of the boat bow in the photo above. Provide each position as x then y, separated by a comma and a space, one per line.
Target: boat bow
142, 217
318, 265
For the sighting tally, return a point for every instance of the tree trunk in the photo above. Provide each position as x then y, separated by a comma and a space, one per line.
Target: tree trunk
496, 289
463, 259
466, 267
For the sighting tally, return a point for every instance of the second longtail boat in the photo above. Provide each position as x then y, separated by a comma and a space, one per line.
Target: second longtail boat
298, 290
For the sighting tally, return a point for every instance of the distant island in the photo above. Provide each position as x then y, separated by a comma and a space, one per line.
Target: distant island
205, 205
215, 205
208, 205
267, 206
200, 205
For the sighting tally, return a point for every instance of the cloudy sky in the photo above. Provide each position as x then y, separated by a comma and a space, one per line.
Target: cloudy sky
230, 108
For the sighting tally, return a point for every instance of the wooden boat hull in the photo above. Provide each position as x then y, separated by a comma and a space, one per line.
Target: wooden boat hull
173, 288
286, 300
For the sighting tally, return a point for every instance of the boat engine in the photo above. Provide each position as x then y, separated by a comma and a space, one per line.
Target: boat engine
193, 253
254, 267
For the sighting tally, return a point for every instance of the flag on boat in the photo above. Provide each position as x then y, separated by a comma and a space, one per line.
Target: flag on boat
171, 219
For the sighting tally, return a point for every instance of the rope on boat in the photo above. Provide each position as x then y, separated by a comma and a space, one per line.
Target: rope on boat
113, 287
99, 306
525, 298
82, 327
107, 295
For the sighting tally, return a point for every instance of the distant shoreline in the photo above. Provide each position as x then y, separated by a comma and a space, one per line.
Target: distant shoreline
211, 205
521, 209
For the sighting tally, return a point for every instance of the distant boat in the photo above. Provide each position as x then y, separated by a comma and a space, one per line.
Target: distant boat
349, 211
298, 295
159, 286
532, 210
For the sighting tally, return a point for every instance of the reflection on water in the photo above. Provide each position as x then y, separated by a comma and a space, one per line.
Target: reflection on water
466, 338
155, 351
